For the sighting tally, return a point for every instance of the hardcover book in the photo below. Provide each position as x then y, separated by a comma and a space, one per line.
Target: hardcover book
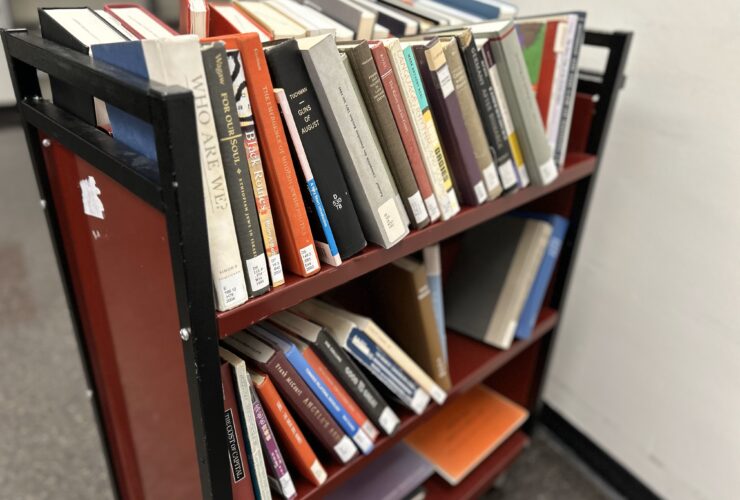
241, 483
234, 154
194, 17
274, 22
397, 22
227, 19
289, 72
139, 21
312, 20
356, 18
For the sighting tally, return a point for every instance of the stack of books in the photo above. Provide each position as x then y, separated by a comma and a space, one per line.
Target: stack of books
313, 145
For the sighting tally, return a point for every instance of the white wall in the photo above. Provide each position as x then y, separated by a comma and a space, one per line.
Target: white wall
647, 362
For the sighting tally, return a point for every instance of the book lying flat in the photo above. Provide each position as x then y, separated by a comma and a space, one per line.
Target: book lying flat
462, 434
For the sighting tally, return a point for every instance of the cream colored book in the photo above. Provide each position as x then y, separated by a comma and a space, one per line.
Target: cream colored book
380, 32
312, 20
274, 21
178, 61
358, 19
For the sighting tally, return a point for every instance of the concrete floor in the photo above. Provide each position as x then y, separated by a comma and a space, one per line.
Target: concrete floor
49, 447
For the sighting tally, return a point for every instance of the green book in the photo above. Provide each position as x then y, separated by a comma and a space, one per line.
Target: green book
532, 39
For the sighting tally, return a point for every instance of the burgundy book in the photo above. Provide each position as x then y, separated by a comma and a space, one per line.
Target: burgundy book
241, 483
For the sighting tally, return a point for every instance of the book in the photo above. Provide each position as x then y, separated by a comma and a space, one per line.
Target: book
177, 61
394, 476
493, 125
358, 344
297, 249
289, 72
292, 440
547, 65
320, 228
397, 23
363, 164
342, 367
458, 148
425, 132
227, 19
471, 117
381, 117
463, 433
355, 17
194, 17
486, 9
380, 32
271, 334
403, 123
235, 164
454, 15
274, 22
531, 36
241, 483
508, 251
107, 17
139, 21
433, 265
250, 433
427, 18
533, 304
405, 311
311, 20
77, 29
295, 391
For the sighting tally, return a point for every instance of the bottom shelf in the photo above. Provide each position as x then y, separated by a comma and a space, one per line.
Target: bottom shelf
483, 476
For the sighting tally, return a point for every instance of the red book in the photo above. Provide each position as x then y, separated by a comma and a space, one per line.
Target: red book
226, 19
241, 483
138, 21
400, 115
547, 69
194, 17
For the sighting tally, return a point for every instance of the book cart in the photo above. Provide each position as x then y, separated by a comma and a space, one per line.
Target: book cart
139, 289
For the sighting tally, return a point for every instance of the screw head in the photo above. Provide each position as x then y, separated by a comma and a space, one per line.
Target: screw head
43, 204
185, 334
46, 143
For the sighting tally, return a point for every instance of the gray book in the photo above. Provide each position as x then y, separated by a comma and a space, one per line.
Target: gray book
358, 19
508, 252
378, 204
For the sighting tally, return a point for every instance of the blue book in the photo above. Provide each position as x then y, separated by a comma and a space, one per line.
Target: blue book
532, 306
130, 130
480, 9
433, 263
272, 335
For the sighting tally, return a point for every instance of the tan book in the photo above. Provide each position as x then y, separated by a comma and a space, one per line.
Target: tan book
275, 22
406, 313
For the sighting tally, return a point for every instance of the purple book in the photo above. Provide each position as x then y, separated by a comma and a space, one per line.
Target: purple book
393, 476
277, 472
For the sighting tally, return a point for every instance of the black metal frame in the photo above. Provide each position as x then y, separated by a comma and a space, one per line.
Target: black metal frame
172, 181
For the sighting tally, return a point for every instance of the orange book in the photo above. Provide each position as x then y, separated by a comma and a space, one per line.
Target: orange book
465, 431
338, 391
227, 19
292, 440
297, 248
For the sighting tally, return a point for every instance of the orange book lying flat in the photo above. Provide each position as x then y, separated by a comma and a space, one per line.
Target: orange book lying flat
466, 431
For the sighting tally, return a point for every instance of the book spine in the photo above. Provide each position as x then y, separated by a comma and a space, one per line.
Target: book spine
403, 123
441, 91
289, 72
566, 113
312, 412
292, 439
323, 235
471, 119
425, 131
493, 125
278, 475
355, 381
241, 483
294, 232
337, 411
433, 264
376, 102
256, 172
233, 152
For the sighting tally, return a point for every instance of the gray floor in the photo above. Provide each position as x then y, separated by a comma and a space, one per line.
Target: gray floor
49, 446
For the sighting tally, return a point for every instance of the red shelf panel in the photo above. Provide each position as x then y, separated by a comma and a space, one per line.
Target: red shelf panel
483, 476
297, 289
471, 362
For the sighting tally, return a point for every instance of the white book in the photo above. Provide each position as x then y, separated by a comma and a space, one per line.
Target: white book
358, 19
140, 22
410, 26
116, 24
377, 201
425, 133
239, 21
380, 32
198, 15
314, 21
177, 61
244, 393
272, 20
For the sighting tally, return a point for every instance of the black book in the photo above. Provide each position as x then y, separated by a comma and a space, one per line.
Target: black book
236, 168
77, 29
289, 73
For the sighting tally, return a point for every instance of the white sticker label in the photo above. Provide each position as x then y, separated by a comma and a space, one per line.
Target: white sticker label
287, 486
276, 269
507, 172
445, 81
417, 207
438, 394
480, 192
490, 177
318, 472
345, 449
363, 442
454, 204
257, 272
91, 203
419, 402
523, 176
391, 220
370, 430
233, 290
548, 171
388, 420
432, 208
309, 259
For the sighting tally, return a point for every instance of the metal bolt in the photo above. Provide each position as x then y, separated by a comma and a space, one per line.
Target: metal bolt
43, 204
89, 394
175, 184
185, 334
46, 143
